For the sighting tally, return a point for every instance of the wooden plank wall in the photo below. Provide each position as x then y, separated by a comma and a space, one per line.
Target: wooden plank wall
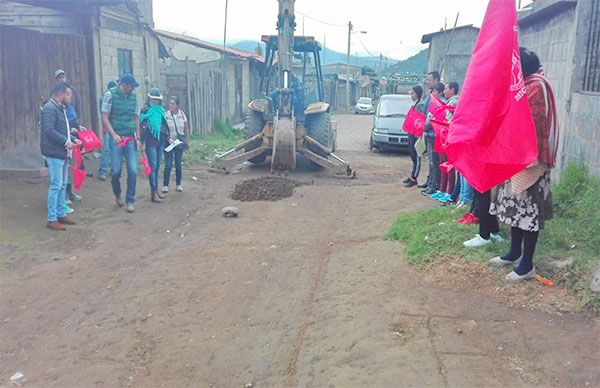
28, 60
199, 90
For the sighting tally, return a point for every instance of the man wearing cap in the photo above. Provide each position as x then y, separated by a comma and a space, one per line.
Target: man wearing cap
119, 116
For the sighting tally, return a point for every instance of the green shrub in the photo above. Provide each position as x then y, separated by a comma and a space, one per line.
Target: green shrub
574, 233
204, 149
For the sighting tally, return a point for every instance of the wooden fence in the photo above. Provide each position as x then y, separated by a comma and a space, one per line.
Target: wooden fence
28, 60
199, 88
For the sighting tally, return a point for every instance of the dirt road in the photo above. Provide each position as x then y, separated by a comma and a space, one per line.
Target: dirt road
299, 292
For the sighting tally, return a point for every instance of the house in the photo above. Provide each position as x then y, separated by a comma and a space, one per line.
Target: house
194, 71
450, 51
566, 35
94, 41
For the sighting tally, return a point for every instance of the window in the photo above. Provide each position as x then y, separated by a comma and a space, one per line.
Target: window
591, 70
124, 61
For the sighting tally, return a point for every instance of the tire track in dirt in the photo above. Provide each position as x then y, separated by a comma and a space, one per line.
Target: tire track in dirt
436, 355
309, 304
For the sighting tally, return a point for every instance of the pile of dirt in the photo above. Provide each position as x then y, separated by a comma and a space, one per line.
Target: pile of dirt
264, 189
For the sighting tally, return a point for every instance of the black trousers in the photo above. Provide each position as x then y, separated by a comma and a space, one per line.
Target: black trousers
487, 222
414, 156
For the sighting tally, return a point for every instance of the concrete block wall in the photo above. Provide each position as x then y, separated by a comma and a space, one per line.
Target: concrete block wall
583, 136
552, 39
462, 44
560, 41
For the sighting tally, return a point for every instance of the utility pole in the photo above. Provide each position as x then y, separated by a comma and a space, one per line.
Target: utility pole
348, 67
380, 68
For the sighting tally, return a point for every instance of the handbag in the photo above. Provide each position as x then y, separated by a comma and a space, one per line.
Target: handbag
89, 140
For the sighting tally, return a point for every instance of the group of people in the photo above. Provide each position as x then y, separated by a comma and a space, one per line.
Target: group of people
154, 131
526, 210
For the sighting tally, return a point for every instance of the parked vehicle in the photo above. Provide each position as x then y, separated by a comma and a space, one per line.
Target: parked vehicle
364, 105
387, 129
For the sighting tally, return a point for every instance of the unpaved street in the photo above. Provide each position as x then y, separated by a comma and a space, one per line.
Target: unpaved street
304, 291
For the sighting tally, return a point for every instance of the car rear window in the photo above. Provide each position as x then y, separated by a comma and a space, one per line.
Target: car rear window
364, 100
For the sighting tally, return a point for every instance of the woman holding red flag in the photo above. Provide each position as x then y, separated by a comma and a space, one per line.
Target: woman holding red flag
416, 94
525, 201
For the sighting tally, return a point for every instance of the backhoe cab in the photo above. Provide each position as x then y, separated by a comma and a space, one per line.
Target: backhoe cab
291, 116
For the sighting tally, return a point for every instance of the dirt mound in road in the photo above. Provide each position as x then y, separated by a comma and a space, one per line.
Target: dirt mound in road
264, 189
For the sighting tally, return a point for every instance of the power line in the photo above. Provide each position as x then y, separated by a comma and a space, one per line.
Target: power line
365, 47
321, 21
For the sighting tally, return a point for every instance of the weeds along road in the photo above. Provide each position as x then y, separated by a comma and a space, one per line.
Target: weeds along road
304, 291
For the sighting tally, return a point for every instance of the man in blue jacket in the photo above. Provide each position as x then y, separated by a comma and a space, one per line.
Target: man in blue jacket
56, 145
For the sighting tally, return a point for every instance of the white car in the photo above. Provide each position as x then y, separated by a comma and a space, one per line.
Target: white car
364, 105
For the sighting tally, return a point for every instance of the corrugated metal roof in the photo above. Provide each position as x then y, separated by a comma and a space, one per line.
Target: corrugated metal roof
211, 46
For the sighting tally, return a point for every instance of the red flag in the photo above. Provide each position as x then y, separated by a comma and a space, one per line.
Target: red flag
78, 177
492, 134
89, 140
77, 156
446, 167
414, 123
124, 141
144, 162
440, 128
437, 108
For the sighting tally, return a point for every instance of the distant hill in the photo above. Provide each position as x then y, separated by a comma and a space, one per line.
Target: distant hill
327, 56
416, 64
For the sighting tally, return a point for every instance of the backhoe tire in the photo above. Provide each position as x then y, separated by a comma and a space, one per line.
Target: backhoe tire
318, 126
254, 125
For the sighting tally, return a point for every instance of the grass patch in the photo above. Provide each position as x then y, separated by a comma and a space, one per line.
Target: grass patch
204, 149
432, 235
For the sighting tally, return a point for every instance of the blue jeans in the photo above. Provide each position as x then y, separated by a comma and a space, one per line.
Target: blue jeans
154, 153
116, 165
176, 153
457, 188
466, 190
58, 173
105, 155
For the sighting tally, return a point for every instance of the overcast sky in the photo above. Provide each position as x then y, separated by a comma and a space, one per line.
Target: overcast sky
394, 27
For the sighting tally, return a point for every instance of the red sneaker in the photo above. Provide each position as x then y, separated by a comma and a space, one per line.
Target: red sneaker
473, 219
464, 218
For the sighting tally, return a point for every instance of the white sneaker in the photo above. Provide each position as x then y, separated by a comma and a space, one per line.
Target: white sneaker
496, 237
179, 188
500, 262
165, 189
514, 277
476, 241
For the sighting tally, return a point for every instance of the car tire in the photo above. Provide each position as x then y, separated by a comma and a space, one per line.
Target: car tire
372, 147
